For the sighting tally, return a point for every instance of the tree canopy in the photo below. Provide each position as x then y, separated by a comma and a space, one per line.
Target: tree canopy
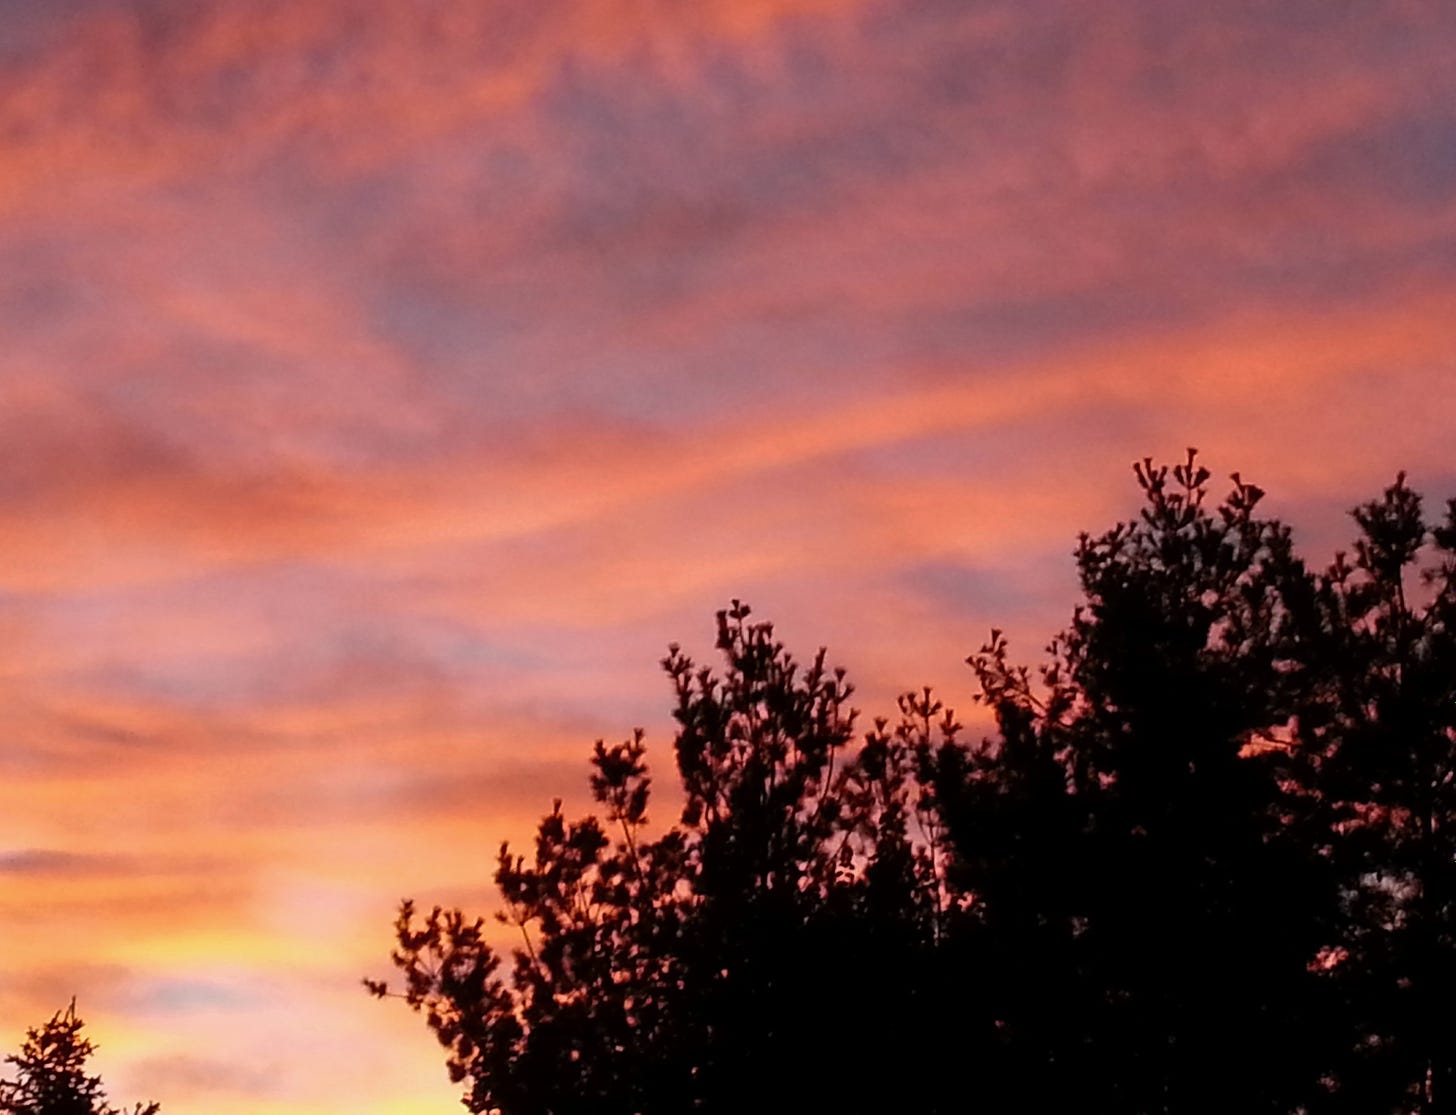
51, 1076
1205, 862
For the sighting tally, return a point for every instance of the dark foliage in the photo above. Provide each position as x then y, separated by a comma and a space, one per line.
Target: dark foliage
51, 1076
1175, 894
1378, 730
1205, 863
674, 974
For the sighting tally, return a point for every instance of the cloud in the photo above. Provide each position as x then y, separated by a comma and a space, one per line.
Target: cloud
51, 861
386, 384
190, 1079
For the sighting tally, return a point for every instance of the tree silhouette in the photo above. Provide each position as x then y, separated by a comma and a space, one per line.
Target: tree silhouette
1168, 883
1379, 727
1205, 863
673, 974
51, 1076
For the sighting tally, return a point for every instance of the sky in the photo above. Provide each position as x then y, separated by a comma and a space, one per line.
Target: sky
385, 383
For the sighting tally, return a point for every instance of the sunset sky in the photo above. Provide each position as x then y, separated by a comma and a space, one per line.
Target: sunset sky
385, 383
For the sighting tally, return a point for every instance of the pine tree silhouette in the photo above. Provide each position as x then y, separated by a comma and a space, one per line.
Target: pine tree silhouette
51, 1077
1205, 863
